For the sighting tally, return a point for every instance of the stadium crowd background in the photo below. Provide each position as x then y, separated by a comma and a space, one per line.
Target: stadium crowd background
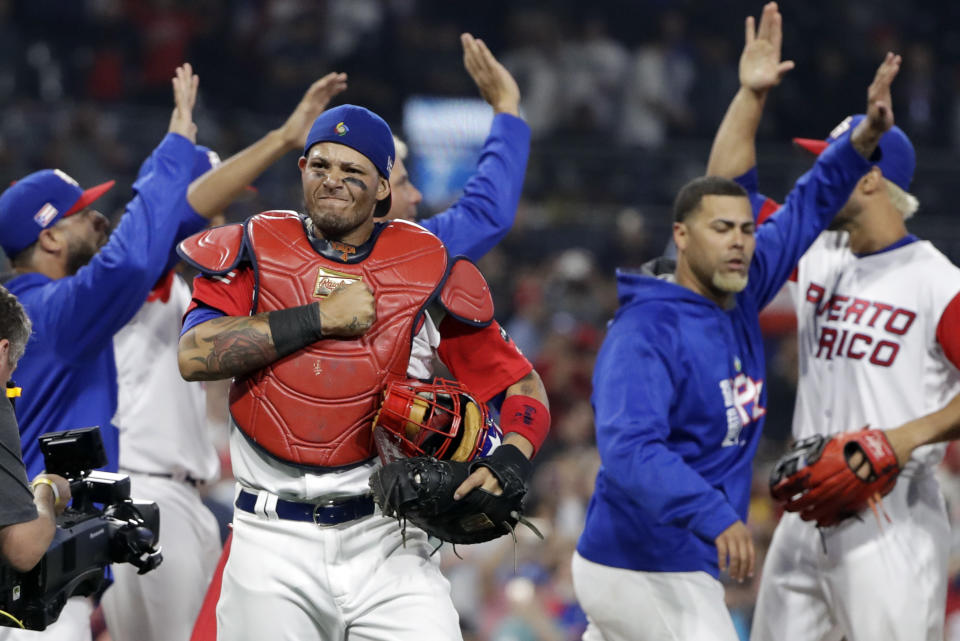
623, 98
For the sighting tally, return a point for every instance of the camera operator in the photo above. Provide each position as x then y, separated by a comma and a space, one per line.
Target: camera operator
27, 512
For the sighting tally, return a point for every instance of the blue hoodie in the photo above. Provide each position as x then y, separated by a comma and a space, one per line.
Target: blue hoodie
679, 394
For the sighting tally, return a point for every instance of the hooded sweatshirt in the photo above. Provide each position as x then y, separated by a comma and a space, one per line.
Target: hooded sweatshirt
679, 393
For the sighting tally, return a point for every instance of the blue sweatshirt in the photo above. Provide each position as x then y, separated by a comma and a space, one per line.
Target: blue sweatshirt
484, 214
679, 394
68, 373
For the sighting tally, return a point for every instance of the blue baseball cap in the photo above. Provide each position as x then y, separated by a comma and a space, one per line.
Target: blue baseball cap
361, 130
898, 160
37, 202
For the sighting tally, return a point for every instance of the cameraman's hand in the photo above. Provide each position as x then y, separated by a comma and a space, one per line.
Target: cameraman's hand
63, 490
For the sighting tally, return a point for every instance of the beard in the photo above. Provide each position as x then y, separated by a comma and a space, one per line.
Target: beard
729, 282
80, 253
333, 226
334, 223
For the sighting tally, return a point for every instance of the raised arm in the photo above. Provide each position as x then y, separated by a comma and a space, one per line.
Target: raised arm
485, 213
820, 193
216, 189
495, 83
88, 308
734, 147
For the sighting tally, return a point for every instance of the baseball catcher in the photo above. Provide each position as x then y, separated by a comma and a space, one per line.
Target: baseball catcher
431, 437
829, 479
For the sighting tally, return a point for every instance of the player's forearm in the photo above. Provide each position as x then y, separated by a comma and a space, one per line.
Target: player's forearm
530, 385
936, 427
212, 192
865, 138
525, 414
226, 347
236, 345
734, 147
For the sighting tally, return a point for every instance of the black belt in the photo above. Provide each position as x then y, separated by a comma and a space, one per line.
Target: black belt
331, 512
185, 478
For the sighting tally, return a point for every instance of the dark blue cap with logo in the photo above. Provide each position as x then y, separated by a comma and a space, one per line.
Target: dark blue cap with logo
361, 130
37, 202
897, 157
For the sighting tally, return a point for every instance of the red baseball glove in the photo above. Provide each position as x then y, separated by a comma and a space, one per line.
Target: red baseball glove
829, 479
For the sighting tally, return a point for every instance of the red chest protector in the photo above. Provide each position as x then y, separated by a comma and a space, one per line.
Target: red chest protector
315, 407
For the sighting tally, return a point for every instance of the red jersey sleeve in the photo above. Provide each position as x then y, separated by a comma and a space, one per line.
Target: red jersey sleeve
948, 331
231, 293
484, 359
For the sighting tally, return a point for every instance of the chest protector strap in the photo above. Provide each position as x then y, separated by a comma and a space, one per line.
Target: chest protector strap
315, 407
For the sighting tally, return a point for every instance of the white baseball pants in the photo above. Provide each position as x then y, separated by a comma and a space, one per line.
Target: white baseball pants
862, 580
162, 605
291, 580
627, 605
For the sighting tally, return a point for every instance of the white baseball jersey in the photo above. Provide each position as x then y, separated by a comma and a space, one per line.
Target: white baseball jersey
868, 354
161, 417
866, 327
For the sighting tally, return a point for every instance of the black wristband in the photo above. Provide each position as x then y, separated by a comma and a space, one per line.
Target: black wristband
294, 328
506, 458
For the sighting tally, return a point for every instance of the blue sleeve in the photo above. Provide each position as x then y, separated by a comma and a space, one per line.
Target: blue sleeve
198, 315
810, 206
484, 214
751, 183
190, 221
634, 389
85, 310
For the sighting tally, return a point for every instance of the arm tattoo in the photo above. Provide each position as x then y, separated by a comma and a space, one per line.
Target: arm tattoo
227, 347
239, 351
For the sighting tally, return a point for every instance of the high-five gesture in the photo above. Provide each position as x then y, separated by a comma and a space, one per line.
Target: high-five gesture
185, 84
495, 83
760, 64
294, 131
879, 118
879, 101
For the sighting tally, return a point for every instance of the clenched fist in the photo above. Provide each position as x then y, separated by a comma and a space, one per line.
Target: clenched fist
348, 311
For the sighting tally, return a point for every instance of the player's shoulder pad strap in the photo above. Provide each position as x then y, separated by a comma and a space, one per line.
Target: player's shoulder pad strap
465, 294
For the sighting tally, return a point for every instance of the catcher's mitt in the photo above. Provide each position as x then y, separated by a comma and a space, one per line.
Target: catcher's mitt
420, 490
830, 479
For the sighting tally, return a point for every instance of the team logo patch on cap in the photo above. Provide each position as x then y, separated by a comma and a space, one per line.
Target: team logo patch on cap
329, 281
341, 129
45, 215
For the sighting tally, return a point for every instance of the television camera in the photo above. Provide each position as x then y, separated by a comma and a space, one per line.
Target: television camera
102, 525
